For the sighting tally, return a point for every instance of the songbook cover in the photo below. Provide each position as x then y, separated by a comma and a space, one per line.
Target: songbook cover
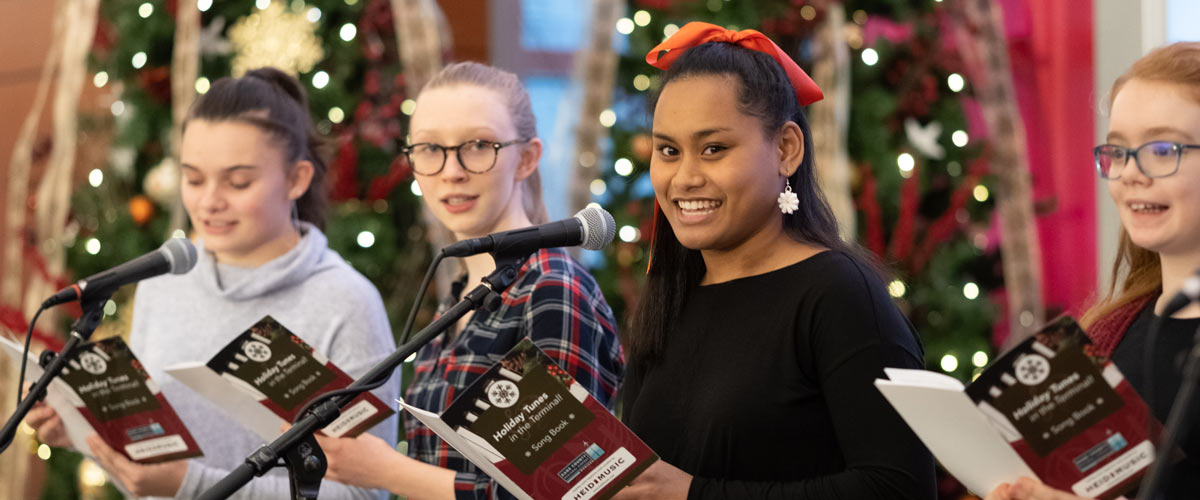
114, 393
275, 374
532, 428
1047, 408
1079, 424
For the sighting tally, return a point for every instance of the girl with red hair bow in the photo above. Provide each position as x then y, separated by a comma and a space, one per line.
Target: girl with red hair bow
760, 332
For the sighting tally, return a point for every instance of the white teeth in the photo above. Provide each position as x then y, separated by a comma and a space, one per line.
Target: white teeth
696, 205
1147, 207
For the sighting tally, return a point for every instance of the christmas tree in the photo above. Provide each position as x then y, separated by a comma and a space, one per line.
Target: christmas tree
343, 51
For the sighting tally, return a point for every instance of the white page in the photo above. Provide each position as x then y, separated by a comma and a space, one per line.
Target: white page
959, 436
242, 407
64, 401
58, 395
924, 378
477, 456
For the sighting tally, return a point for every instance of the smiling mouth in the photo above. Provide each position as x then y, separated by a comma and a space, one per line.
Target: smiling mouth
1147, 208
456, 200
697, 207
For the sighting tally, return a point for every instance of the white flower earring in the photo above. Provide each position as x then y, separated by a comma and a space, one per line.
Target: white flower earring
788, 201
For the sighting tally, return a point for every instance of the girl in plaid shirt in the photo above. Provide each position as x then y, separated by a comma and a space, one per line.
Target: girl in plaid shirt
475, 154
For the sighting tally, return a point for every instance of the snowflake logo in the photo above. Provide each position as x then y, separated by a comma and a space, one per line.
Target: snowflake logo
503, 393
257, 351
1032, 369
93, 363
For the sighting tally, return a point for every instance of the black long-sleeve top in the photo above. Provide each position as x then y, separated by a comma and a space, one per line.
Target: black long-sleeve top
765, 389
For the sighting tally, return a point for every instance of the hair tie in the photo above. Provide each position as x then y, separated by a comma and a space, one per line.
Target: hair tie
698, 33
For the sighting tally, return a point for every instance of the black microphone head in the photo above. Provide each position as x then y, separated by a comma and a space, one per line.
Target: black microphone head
599, 228
180, 253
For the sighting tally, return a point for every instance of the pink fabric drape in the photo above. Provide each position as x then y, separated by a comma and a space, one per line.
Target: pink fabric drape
1050, 48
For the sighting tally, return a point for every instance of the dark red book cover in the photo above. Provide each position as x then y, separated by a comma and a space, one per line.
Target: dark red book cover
530, 426
1070, 415
117, 397
283, 373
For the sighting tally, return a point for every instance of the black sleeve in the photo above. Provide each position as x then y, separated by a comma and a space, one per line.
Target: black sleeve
853, 331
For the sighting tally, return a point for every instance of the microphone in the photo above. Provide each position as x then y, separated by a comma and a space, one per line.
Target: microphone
1188, 294
176, 256
592, 228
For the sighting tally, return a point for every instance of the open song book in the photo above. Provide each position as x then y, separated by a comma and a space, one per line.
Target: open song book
1048, 409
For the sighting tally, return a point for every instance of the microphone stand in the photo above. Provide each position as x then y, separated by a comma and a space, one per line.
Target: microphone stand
1179, 417
52, 364
298, 447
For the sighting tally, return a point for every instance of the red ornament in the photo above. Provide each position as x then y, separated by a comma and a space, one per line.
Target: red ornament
383, 185
156, 81
344, 171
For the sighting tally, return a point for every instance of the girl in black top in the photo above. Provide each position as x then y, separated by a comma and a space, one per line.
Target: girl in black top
754, 349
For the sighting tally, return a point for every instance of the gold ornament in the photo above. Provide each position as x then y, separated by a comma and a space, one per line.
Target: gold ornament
141, 209
275, 37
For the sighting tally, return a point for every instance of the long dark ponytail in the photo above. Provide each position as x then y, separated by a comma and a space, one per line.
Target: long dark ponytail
276, 103
763, 92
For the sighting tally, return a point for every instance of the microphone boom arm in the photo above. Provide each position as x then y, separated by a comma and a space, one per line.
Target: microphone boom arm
299, 449
81, 331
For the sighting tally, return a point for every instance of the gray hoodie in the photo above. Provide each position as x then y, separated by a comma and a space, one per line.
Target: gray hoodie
310, 290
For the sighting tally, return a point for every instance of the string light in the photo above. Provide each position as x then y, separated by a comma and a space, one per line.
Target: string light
313, 15
669, 30
91, 474
981, 193
641, 82
970, 290
336, 115
896, 288
145, 9
623, 167
262, 4
320, 80
92, 246
641, 18
347, 32
43, 451
416, 188
95, 177
202, 85
204, 5
598, 187
178, 233
906, 162
608, 118
870, 57
365, 239
949, 363
955, 82
139, 60
625, 25
960, 138
110, 308
101, 79
117, 108
628, 234
980, 359
408, 106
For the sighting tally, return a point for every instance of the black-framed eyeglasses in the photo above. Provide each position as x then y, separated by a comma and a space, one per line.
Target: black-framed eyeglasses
1154, 159
476, 156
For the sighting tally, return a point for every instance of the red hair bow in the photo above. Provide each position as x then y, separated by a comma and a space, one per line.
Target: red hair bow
697, 33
